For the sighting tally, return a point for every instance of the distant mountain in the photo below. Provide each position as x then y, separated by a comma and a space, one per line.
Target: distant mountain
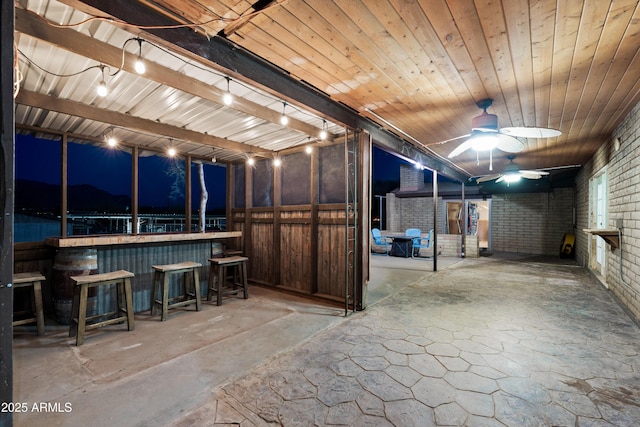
40, 196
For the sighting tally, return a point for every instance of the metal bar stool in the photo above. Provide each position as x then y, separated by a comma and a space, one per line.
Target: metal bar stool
161, 279
124, 304
218, 277
31, 280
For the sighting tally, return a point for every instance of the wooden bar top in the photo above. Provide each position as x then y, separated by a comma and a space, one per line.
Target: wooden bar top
128, 239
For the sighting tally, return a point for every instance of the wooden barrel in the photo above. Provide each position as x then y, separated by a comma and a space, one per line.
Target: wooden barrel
72, 262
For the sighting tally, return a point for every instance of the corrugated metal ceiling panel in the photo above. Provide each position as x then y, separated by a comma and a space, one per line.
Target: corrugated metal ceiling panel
137, 96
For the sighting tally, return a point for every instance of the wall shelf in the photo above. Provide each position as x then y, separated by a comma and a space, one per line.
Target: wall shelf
610, 235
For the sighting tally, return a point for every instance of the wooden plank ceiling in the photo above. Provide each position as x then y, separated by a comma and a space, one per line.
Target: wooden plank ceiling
418, 68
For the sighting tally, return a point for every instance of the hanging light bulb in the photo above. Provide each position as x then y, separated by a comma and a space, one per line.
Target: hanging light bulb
284, 120
309, 149
171, 152
139, 65
112, 141
227, 98
323, 132
251, 161
102, 86
277, 162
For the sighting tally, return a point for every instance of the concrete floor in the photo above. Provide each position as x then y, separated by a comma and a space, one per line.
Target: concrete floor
501, 340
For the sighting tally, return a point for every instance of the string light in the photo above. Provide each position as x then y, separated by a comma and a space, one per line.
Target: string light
227, 98
284, 120
277, 162
251, 161
323, 132
309, 149
140, 68
102, 86
112, 141
139, 65
171, 152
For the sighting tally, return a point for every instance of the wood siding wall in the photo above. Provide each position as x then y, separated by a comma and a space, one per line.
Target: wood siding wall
303, 248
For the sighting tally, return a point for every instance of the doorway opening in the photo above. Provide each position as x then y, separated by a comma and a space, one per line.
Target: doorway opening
478, 220
598, 219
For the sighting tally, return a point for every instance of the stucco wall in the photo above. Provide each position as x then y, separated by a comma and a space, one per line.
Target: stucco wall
623, 174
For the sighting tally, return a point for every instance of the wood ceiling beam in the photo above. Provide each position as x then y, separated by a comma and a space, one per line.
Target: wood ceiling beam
73, 41
77, 109
229, 56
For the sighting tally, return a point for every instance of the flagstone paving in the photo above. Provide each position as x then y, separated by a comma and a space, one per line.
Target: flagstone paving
491, 342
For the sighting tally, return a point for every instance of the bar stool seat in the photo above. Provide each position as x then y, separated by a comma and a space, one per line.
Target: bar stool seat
161, 280
232, 252
34, 281
124, 304
218, 279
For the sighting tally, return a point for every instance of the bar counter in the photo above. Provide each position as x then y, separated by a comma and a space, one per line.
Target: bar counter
128, 239
95, 254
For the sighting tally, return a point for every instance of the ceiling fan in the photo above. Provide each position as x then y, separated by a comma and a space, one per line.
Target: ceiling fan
512, 173
486, 135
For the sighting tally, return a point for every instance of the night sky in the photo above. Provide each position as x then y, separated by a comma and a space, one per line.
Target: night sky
110, 170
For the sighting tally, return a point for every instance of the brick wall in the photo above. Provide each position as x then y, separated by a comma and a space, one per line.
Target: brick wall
531, 223
451, 245
411, 179
413, 212
623, 174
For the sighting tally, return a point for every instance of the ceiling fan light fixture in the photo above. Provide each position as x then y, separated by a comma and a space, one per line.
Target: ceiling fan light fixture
485, 142
512, 177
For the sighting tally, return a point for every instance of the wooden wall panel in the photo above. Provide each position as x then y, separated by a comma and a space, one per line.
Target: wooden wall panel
261, 267
331, 253
295, 262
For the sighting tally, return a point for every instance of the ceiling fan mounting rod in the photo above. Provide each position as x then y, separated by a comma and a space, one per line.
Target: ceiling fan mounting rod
485, 103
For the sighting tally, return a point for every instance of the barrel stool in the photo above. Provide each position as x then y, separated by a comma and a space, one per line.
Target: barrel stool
161, 280
218, 277
34, 281
124, 305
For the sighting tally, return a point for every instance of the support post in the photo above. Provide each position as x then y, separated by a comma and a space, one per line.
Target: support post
435, 220
7, 153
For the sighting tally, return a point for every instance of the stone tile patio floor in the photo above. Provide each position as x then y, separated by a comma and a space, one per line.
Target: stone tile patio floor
495, 341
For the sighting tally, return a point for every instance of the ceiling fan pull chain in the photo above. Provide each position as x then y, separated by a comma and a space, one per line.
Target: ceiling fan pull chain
490, 160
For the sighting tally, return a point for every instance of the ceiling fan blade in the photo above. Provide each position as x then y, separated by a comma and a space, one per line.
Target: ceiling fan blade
533, 174
447, 140
500, 179
486, 178
509, 144
461, 148
530, 132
